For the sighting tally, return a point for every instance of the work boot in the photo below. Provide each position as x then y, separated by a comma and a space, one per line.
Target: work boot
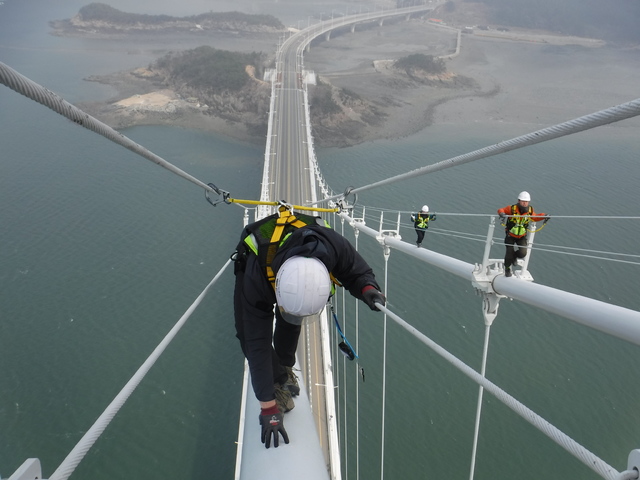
292, 382
283, 399
507, 272
418, 243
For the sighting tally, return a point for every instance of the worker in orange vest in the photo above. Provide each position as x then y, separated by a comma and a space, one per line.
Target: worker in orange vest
516, 220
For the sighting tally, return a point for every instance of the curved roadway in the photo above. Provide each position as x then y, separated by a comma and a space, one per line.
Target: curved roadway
290, 171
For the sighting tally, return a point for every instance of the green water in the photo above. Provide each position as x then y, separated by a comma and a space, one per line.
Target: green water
101, 252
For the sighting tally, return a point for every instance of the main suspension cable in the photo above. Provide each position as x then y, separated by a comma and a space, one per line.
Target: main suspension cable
587, 122
30, 89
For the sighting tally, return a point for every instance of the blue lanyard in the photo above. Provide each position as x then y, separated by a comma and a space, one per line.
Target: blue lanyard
345, 347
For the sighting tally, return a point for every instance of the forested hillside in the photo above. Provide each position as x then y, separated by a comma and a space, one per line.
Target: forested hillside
106, 13
209, 69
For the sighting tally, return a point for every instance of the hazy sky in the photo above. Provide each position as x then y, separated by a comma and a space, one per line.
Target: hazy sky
288, 11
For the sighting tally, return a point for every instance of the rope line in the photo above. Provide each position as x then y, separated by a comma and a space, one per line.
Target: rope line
30, 89
434, 230
588, 250
76, 455
462, 235
595, 257
455, 214
585, 456
587, 122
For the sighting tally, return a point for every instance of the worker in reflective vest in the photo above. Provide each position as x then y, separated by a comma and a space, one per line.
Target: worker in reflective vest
292, 261
516, 220
421, 222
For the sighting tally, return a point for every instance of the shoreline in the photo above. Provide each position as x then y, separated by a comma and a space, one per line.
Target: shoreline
407, 108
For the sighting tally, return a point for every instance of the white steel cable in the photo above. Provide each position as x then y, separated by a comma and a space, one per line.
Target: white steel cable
457, 214
595, 257
585, 456
462, 235
344, 376
30, 89
539, 246
476, 429
588, 250
384, 361
357, 367
587, 122
76, 455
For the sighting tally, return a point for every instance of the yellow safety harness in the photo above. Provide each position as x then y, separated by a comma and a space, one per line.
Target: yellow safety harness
422, 222
286, 218
518, 224
266, 254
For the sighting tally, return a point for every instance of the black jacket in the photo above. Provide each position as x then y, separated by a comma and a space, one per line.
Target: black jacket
255, 296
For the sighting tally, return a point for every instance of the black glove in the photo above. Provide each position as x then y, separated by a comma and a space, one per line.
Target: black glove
371, 296
547, 218
502, 215
272, 424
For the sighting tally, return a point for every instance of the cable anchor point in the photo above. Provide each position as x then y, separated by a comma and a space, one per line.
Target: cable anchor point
343, 202
284, 207
224, 194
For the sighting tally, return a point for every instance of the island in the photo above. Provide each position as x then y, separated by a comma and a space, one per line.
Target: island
102, 19
226, 91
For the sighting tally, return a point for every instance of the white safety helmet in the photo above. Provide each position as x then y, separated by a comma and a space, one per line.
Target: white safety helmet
524, 196
303, 287
425, 209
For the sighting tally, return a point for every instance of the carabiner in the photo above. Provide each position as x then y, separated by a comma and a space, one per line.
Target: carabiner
225, 195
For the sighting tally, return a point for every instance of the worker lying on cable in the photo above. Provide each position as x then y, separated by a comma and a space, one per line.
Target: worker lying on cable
288, 260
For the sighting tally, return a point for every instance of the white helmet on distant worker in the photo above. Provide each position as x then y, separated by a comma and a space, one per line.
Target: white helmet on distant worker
425, 209
524, 196
303, 288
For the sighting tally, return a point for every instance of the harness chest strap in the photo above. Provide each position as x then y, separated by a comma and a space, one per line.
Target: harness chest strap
276, 240
518, 223
285, 218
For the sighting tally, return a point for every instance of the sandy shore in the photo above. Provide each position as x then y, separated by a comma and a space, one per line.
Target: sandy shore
524, 78
159, 99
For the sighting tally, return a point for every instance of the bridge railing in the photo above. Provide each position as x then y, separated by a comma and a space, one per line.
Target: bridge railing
614, 320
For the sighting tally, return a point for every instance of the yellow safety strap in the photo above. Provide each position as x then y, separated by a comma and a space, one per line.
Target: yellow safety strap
295, 207
285, 218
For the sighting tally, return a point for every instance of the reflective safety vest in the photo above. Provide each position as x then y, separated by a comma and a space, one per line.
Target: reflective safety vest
422, 222
518, 223
265, 238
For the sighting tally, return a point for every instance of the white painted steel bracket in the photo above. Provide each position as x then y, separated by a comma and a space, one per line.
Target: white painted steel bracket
29, 470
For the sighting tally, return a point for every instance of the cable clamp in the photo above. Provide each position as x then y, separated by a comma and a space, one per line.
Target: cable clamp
283, 207
224, 194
